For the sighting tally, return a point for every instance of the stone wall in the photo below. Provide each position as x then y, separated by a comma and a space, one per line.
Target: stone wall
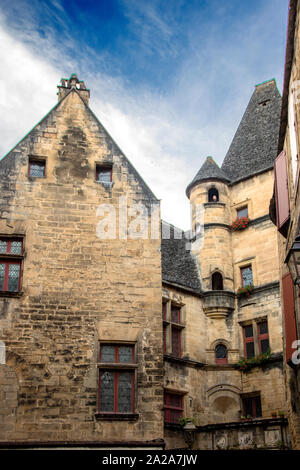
77, 289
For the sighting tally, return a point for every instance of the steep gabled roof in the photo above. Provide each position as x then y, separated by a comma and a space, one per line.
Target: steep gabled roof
8, 161
254, 146
209, 171
178, 264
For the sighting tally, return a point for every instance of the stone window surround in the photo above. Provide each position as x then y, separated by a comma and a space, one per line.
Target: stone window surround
107, 165
240, 205
254, 323
167, 326
238, 265
110, 416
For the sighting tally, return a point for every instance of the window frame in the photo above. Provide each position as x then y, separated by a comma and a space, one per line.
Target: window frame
176, 327
262, 336
117, 368
168, 408
242, 209
241, 272
253, 399
249, 339
9, 259
221, 360
32, 160
103, 166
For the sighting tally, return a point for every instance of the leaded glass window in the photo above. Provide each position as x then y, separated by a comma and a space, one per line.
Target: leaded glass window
37, 168
247, 277
13, 277
116, 386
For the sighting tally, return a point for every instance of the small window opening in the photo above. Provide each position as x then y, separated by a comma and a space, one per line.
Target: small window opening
221, 354
103, 174
213, 195
217, 281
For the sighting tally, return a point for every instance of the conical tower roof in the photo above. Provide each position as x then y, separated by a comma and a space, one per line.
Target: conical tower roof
254, 146
208, 171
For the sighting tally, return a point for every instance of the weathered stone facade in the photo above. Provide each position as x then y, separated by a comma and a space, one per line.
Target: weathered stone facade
82, 288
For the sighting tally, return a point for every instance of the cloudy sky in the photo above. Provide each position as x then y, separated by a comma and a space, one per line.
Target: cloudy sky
169, 79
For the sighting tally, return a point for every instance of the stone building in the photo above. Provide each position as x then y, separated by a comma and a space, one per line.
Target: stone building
116, 328
285, 213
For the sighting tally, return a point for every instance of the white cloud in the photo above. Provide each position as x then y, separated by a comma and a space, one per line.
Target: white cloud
166, 136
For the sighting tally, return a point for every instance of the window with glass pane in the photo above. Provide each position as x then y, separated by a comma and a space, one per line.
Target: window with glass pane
10, 246
37, 168
176, 342
116, 386
242, 212
252, 407
263, 337
175, 314
173, 407
221, 354
103, 174
249, 341
10, 276
247, 277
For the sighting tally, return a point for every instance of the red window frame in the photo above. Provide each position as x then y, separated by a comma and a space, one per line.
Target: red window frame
262, 336
7, 258
249, 339
99, 168
168, 408
116, 372
242, 269
176, 341
36, 160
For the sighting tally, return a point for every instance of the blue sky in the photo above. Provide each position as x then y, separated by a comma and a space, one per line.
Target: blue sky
170, 80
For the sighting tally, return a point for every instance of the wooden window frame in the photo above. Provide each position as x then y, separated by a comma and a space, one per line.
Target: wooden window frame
176, 327
9, 259
116, 368
168, 408
250, 339
253, 399
262, 336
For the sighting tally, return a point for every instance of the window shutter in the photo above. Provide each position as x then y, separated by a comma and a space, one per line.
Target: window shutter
281, 192
289, 315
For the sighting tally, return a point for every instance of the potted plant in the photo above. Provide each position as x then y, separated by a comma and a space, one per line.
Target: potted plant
274, 414
245, 291
281, 414
240, 223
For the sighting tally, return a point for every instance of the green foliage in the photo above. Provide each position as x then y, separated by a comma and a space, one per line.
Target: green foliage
184, 421
240, 223
245, 291
247, 364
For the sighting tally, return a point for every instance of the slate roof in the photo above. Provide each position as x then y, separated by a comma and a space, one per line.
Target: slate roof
178, 264
209, 170
254, 146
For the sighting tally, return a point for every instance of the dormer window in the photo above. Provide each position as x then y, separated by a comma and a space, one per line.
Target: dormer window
36, 168
103, 174
213, 195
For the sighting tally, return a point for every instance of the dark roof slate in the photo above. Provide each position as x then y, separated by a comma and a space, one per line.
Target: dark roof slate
209, 170
178, 264
254, 146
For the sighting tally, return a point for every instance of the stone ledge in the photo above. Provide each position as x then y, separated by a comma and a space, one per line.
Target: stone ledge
117, 416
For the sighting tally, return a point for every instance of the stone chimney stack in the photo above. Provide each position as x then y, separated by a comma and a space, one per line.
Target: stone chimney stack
66, 84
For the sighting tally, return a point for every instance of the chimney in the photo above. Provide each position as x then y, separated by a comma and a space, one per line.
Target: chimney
66, 84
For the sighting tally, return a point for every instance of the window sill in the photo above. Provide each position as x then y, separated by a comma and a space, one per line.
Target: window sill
117, 416
11, 294
106, 184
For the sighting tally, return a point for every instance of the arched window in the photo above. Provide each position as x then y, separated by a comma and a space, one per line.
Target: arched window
213, 195
217, 281
221, 354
